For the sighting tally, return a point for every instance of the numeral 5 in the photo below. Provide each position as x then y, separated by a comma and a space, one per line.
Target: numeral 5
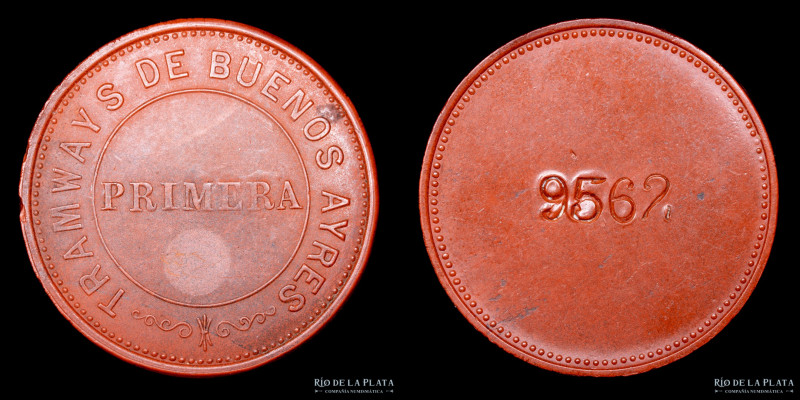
586, 206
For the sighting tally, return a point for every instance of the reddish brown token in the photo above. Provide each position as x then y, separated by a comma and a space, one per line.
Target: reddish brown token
198, 197
599, 197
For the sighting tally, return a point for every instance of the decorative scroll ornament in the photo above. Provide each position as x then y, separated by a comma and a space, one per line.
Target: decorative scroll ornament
184, 329
244, 323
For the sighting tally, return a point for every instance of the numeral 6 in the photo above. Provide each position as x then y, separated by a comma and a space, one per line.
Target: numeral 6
622, 219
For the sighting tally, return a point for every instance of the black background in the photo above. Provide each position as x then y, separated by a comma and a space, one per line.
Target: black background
399, 65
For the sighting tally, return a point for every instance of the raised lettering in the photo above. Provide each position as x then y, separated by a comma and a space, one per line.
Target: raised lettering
168, 192
323, 129
274, 83
297, 99
296, 301
74, 149
219, 65
77, 250
334, 228
212, 196
91, 281
105, 93
242, 68
256, 194
288, 195
143, 72
138, 196
334, 201
333, 155
63, 182
111, 190
193, 200
327, 255
86, 122
227, 197
64, 219
313, 278
173, 64
109, 308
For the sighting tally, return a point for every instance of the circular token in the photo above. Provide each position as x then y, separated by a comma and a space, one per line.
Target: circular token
198, 197
599, 197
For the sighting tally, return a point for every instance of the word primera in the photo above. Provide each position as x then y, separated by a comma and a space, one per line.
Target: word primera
210, 196
585, 205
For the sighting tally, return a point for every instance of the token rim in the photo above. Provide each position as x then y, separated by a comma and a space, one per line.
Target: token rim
28, 167
425, 208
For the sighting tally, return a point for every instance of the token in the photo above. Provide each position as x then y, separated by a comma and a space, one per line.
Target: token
198, 197
599, 197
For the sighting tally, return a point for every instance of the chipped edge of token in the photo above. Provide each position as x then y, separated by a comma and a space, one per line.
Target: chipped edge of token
29, 165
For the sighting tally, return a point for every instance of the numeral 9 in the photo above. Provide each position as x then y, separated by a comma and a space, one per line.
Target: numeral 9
586, 206
553, 189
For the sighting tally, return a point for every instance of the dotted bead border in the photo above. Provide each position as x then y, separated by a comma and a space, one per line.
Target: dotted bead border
85, 314
461, 289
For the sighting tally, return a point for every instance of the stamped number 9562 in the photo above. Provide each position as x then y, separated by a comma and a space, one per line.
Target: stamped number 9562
581, 201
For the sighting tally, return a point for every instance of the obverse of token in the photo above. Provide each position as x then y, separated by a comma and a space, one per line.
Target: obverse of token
599, 197
198, 197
